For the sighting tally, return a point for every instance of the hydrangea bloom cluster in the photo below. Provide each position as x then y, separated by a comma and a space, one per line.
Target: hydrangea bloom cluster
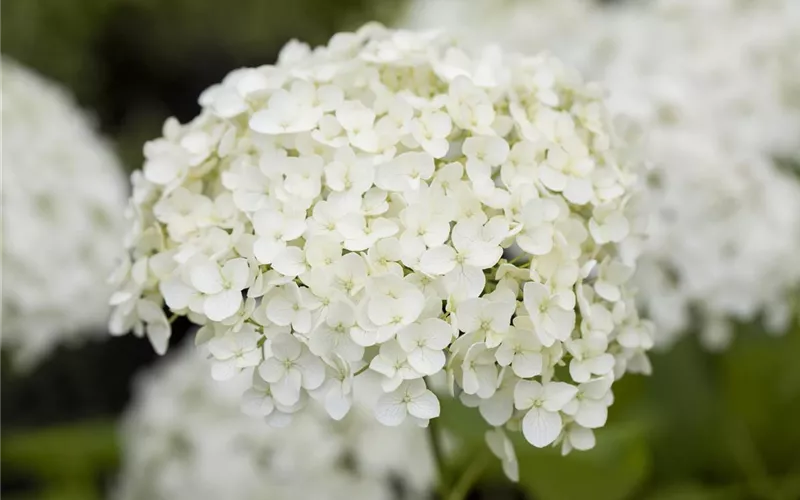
718, 102
185, 437
63, 202
347, 209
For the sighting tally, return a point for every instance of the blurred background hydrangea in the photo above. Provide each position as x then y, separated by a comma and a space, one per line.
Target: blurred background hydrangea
705, 426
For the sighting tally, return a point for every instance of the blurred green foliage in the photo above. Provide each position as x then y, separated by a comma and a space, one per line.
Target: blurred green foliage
136, 62
68, 460
56, 37
61, 39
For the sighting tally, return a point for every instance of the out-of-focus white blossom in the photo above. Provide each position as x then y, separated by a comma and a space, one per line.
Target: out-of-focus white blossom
185, 437
714, 88
347, 210
63, 202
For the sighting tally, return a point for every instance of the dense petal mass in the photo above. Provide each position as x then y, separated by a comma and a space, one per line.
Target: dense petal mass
706, 103
63, 203
351, 224
186, 437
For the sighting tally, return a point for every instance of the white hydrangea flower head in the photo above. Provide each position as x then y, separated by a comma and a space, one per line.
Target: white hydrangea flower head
346, 211
717, 101
185, 437
63, 202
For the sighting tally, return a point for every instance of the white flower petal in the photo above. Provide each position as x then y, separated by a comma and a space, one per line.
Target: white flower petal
498, 409
527, 364
272, 370
290, 262
581, 438
541, 427
206, 277
425, 406
222, 305
438, 261
286, 391
337, 404
526, 392
256, 403
159, 334
557, 394
237, 272
592, 414
390, 410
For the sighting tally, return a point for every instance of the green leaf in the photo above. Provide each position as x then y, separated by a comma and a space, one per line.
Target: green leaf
614, 470
761, 387
59, 455
698, 492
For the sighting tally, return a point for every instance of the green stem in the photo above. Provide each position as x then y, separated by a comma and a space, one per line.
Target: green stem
468, 479
361, 370
434, 434
449, 488
752, 466
515, 259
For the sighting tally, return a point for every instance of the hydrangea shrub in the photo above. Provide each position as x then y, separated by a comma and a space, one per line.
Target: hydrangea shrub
717, 103
63, 202
185, 437
347, 210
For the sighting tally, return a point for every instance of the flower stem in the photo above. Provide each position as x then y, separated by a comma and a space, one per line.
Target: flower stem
456, 488
434, 434
468, 479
